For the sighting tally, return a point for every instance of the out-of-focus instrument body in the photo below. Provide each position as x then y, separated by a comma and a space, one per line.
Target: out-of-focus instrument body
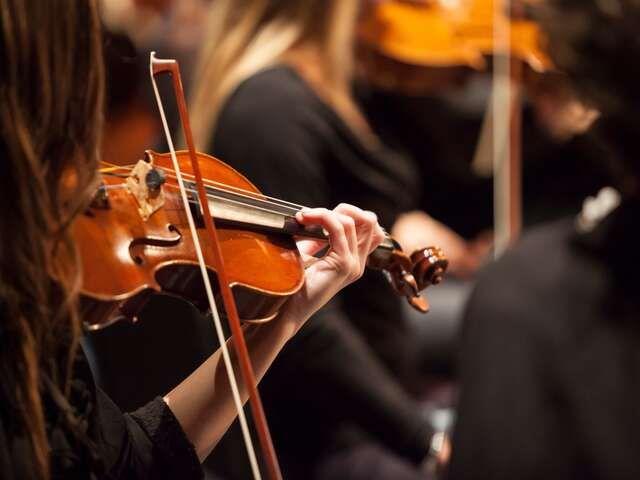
421, 46
450, 33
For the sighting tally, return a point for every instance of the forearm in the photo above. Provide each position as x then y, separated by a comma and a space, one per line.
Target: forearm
203, 402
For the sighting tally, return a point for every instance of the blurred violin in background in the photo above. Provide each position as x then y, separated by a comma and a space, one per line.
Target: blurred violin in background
418, 46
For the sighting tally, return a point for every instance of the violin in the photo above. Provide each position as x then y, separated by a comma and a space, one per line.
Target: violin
134, 241
424, 46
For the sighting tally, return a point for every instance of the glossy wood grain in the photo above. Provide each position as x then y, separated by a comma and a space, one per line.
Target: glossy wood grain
125, 257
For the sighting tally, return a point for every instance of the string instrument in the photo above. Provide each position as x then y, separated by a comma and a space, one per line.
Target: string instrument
423, 47
151, 227
477, 22
418, 46
136, 235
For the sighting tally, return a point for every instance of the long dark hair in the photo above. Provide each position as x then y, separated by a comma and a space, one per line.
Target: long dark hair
596, 44
51, 95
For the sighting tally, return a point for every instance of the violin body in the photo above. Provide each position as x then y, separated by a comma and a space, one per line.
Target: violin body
420, 47
135, 240
127, 257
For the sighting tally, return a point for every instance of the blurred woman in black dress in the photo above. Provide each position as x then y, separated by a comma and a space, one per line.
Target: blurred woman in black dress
273, 98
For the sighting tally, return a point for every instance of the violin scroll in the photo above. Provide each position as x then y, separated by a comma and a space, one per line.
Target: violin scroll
409, 275
429, 266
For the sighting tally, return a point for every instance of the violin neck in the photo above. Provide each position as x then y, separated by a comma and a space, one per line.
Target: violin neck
268, 217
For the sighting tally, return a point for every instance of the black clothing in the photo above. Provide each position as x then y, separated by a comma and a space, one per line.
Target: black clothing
443, 140
148, 443
285, 139
551, 358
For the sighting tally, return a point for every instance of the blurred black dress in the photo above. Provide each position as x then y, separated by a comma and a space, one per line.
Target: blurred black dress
285, 139
551, 358
276, 131
104, 443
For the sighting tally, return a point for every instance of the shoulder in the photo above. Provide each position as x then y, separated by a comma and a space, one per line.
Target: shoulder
272, 104
271, 87
539, 286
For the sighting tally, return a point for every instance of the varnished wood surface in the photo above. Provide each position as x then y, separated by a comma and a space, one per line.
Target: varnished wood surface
124, 255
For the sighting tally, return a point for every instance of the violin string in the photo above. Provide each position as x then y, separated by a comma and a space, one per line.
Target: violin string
237, 202
233, 384
214, 197
113, 166
253, 195
237, 190
262, 205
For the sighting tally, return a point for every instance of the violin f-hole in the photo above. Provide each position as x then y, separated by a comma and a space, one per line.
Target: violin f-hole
138, 245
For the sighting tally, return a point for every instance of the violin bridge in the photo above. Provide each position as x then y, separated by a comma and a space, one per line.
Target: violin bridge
148, 194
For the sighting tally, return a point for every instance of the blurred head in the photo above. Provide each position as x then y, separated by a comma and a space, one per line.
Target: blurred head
51, 89
556, 107
595, 42
245, 36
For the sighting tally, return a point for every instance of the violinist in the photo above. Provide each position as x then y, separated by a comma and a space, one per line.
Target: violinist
272, 96
54, 422
551, 344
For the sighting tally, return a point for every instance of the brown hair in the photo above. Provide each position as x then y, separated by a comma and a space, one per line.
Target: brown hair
245, 36
596, 44
51, 95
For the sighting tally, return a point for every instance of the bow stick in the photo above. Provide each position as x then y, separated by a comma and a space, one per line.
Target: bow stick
507, 129
156, 67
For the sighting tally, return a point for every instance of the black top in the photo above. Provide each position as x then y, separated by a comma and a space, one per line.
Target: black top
551, 358
443, 139
285, 139
146, 444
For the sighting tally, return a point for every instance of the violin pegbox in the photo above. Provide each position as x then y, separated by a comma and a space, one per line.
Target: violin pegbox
429, 266
145, 184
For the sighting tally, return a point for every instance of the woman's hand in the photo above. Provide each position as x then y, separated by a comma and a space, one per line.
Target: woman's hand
205, 408
353, 235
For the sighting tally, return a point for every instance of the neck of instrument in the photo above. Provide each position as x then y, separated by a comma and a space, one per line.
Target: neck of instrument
267, 215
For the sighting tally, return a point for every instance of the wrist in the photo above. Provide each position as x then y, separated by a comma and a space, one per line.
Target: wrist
289, 321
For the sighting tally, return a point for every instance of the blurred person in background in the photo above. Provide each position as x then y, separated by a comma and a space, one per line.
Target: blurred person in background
551, 344
54, 421
425, 95
273, 97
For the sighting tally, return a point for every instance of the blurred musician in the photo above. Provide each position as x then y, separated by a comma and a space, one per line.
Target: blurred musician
551, 347
273, 98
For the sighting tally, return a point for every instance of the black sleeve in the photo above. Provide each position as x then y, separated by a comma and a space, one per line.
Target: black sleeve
148, 443
510, 421
349, 384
